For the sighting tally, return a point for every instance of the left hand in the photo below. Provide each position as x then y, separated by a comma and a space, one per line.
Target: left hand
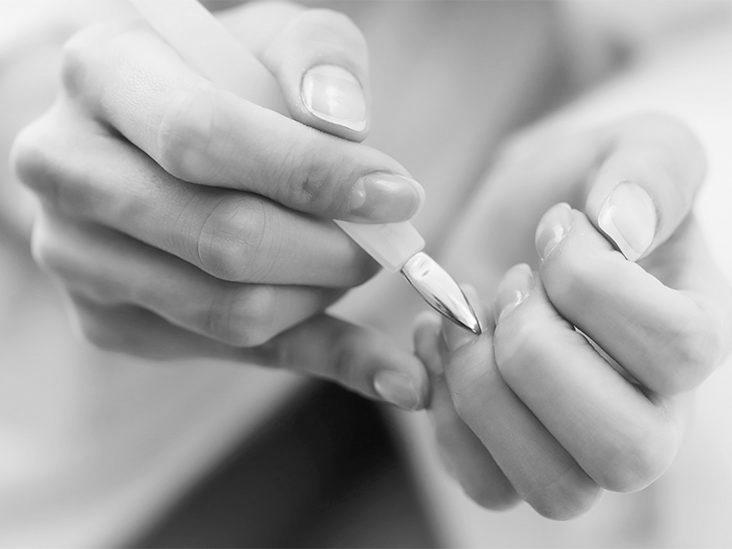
533, 409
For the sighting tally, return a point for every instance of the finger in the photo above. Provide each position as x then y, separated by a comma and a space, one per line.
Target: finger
541, 471
361, 359
669, 339
428, 344
464, 456
623, 439
139, 86
231, 235
316, 57
469, 462
685, 262
139, 332
324, 346
320, 60
113, 269
646, 184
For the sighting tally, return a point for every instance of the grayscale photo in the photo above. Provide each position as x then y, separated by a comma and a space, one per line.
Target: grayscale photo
366, 274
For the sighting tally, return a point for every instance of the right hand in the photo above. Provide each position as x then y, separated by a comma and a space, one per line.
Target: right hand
183, 221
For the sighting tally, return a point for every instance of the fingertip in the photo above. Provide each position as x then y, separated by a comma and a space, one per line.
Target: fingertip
382, 197
427, 341
628, 219
552, 229
513, 290
321, 61
563, 226
400, 389
402, 380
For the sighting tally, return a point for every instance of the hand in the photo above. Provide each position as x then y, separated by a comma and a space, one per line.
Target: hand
581, 380
182, 220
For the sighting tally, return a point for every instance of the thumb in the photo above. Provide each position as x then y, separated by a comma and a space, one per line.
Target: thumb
316, 57
320, 60
646, 183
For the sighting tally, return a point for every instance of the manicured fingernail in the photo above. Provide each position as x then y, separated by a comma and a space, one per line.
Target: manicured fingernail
385, 197
628, 218
333, 94
513, 290
552, 229
398, 389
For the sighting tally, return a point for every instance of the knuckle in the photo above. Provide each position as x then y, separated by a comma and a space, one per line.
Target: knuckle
33, 159
85, 57
244, 317
231, 240
184, 134
638, 458
51, 166
569, 496
78, 58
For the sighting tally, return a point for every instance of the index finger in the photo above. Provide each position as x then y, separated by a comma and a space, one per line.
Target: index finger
139, 86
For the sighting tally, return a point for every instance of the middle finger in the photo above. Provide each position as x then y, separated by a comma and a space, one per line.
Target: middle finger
231, 235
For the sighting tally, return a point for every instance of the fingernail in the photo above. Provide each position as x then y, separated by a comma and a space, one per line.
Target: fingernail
333, 94
513, 290
552, 229
398, 389
385, 197
628, 218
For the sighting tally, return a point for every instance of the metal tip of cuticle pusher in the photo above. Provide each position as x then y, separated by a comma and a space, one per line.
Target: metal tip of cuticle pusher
441, 291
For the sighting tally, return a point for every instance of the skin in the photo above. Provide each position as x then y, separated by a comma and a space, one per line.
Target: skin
182, 220
170, 255
532, 409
